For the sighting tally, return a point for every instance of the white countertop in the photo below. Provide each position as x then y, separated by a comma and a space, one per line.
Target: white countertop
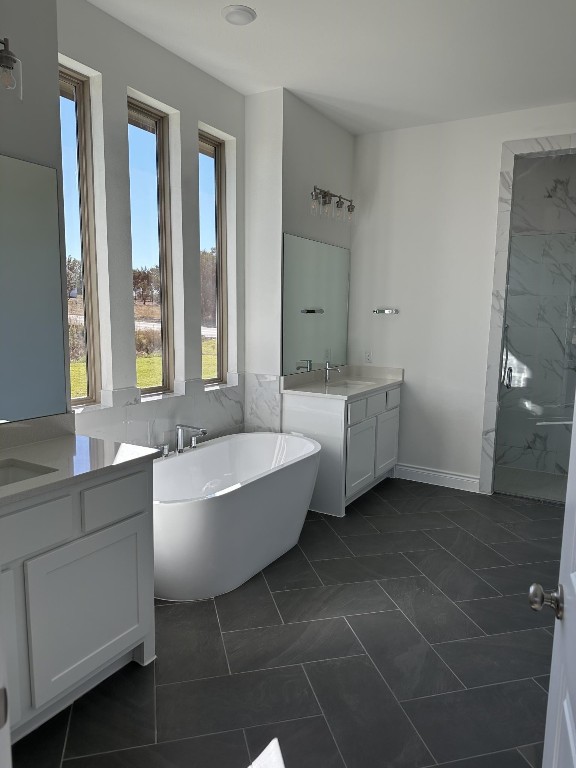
72, 457
348, 389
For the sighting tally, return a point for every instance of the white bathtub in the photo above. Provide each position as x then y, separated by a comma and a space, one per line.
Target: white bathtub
225, 510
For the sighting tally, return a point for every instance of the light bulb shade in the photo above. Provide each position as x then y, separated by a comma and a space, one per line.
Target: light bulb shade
10, 68
7, 79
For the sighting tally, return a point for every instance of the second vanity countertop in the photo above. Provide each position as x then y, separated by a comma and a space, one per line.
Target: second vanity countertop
353, 383
71, 457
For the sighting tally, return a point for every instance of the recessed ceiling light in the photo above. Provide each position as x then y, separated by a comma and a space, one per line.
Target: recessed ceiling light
239, 15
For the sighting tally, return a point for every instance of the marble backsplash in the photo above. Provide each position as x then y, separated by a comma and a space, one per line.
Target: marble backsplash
152, 422
263, 403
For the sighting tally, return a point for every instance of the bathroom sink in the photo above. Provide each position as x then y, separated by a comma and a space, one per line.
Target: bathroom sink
14, 471
349, 385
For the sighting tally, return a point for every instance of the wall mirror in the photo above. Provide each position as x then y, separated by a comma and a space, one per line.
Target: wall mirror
316, 279
32, 360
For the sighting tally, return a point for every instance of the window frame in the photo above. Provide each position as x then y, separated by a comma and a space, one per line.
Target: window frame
212, 146
139, 111
76, 87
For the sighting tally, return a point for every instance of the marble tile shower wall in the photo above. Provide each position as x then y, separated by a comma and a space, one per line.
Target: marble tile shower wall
262, 411
151, 422
540, 333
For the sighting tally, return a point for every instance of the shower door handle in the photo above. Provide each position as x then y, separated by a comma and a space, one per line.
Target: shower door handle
508, 378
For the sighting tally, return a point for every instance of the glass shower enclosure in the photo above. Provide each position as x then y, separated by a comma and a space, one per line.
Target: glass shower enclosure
538, 371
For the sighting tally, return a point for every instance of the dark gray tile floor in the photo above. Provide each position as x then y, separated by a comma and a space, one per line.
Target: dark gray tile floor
399, 636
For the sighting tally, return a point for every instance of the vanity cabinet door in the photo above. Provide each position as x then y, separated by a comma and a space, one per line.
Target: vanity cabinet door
387, 441
87, 602
5, 702
361, 439
9, 643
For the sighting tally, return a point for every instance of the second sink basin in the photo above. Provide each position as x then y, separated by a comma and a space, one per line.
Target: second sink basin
348, 384
14, 471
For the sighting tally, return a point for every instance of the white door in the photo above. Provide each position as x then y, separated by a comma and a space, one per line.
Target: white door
560, 739
5, 750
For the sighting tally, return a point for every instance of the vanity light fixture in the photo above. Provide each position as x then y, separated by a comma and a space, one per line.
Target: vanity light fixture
10, 68
328, 204
239, 15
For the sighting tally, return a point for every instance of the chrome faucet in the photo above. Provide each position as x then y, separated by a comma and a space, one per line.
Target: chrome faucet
327, 370
307, 367
196, 432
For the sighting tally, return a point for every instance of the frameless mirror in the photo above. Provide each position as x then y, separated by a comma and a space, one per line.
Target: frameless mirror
316, 279
32, 361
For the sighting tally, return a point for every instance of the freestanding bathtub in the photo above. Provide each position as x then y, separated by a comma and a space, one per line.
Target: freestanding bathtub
226, 509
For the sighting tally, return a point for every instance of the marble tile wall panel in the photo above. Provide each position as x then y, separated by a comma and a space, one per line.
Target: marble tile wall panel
510, 152
488, 441
525, 458
554, 312
511, 149
521, 429
262, 410
494, 346
152, 422
105, 423
544, 194
525, 265
562, 461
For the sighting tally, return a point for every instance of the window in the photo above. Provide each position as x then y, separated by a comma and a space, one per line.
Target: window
79, 236
149, 208
212, 256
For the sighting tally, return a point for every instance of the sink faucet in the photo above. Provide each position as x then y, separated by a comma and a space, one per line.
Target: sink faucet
196, 432
307, 367
327, 370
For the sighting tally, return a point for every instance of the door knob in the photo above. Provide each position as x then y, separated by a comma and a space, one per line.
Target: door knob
538, 599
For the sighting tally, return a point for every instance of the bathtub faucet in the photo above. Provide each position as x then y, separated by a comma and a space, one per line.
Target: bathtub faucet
195, 433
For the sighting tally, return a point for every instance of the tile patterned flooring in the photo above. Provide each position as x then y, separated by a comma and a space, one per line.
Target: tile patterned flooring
398, 636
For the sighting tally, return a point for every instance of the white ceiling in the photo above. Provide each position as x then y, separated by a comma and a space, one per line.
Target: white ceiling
378, 64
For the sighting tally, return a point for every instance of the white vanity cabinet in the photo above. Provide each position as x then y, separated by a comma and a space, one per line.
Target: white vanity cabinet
77, 588
358, 435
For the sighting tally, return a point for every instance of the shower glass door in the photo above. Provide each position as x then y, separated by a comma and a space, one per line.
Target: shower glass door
538, 374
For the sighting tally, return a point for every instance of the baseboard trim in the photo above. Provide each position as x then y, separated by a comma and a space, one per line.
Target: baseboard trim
433, 477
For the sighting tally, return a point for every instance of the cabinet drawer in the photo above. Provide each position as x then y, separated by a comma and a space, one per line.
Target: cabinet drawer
392, 398
376, 404
40, 527
356, 411
111, 502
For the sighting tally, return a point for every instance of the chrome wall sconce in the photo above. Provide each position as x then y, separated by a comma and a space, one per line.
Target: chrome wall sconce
10, 68
330, 205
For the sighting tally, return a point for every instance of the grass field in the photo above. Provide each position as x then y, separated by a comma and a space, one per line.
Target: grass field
148, 369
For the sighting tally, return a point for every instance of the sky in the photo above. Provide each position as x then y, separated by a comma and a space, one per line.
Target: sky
143, 192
